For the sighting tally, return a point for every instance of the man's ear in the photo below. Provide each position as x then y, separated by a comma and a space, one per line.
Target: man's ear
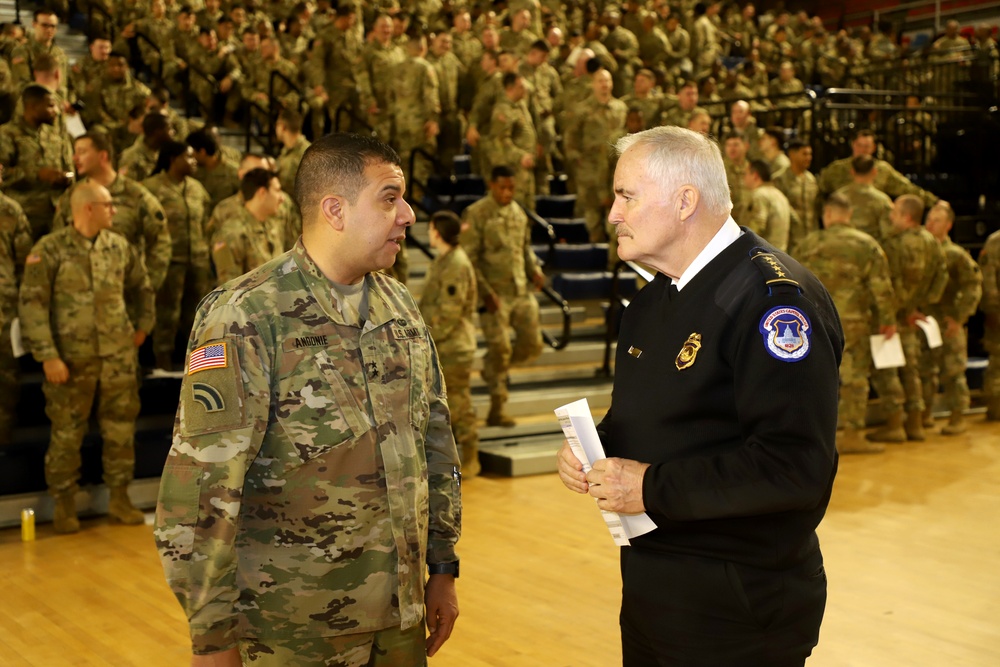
332, 208
687, 201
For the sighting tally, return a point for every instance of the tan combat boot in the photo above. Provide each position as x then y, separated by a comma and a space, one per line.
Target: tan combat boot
470, 461
956, 424
849, 441
914, 425
891, 431
498, 413
930, 393
64, 516
121, 509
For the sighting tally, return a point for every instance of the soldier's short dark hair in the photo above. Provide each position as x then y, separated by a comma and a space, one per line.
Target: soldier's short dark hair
97, 36
169, 152
776, 133
448, 225
863, 164
223, 19
594, 65
796, 144
911, 206
204, 140
43, 11
837, 200
292, 119
336, 163
540, 45
155, 122
205, 30
118, 54
761, 168
254, 180
863, 133
185, 9
734, 135
100, 141
137, 111
343, 9
509, 79
34, 94
499, 172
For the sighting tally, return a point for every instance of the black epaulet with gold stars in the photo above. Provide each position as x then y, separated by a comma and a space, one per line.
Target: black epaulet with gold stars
777, 278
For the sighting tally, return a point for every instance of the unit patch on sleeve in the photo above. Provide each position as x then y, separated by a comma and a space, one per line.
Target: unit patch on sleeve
786, 332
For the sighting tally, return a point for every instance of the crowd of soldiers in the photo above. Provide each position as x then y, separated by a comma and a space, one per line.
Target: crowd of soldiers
526, 86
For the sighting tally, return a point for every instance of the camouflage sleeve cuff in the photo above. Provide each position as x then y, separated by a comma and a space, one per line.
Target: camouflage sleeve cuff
218, 638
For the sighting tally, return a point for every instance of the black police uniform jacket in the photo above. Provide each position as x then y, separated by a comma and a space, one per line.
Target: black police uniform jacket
737, 421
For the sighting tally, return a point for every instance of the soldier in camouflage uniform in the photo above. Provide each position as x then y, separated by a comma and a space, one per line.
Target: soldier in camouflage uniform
798, 184
768, 212
138, 160
111, 97
958, 303
919, 275
497, 239
257, 84
219, 175
74, 321
15, 244
37, 158
138, 215
989, 264
41, 41
512, 141
735, 147
335, 68
187, 205
596, 127
288, 129
687, 104
282, 228
450, 74
837, 174
871, 206
854, 269
376, 81
242, 241
253, 540
414, 105
448, 304
646, 97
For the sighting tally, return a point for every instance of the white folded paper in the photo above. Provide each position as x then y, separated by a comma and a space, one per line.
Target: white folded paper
887, 353
932, 330
16, 343
578, 426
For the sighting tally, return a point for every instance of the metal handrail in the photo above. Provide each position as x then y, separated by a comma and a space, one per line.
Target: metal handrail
550, 232
212, 81
143, 37
567, 317
93, 9
427, 156
250, 106
345, 109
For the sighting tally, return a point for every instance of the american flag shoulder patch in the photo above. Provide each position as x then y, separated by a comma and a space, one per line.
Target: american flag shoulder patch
208, 356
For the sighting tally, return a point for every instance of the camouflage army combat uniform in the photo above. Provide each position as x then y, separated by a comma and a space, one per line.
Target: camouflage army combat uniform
242, 243
15, 244
139, 218
946, 365
448, 304
414, 100
187, 206
801, 191
919, 275
72, 308
23, 57
768, 214
989, 264
137, 161
221, 182
870, 209
307, 451
511, 138
498, 242
23, 151
288, 163
854, 269
837, 174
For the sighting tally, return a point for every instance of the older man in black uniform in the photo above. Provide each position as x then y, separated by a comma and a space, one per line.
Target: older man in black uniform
722, 422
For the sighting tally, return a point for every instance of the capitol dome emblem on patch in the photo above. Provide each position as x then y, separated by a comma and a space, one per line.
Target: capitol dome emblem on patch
786, 332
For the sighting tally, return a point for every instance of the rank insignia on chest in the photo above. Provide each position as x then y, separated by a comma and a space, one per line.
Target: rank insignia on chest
786, 332
689, 352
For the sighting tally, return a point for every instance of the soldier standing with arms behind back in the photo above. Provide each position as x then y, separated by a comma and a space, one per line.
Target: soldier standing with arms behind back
313, 393
74, 321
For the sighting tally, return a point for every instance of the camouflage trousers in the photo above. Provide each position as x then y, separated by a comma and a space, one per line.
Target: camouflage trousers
855, 369
944, 367
457, 371
909, 375
517, 315
591, 197
991, 378
449, 141
113, 383
386, 648
524, 186
406, 143
10, 387
887, 384
177, 300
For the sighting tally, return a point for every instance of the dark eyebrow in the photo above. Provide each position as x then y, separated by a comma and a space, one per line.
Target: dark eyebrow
390, 187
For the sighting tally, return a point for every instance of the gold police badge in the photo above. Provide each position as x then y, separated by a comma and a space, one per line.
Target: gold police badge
689, 352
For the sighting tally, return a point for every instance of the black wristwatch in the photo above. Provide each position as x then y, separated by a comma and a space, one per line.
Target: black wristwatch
444, 568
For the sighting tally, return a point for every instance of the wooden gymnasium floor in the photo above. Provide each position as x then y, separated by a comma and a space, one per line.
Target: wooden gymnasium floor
912, 542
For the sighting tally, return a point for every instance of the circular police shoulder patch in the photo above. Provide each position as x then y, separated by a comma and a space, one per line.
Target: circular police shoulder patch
786, 331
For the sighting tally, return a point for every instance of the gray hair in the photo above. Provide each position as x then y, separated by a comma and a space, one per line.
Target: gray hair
678, 156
